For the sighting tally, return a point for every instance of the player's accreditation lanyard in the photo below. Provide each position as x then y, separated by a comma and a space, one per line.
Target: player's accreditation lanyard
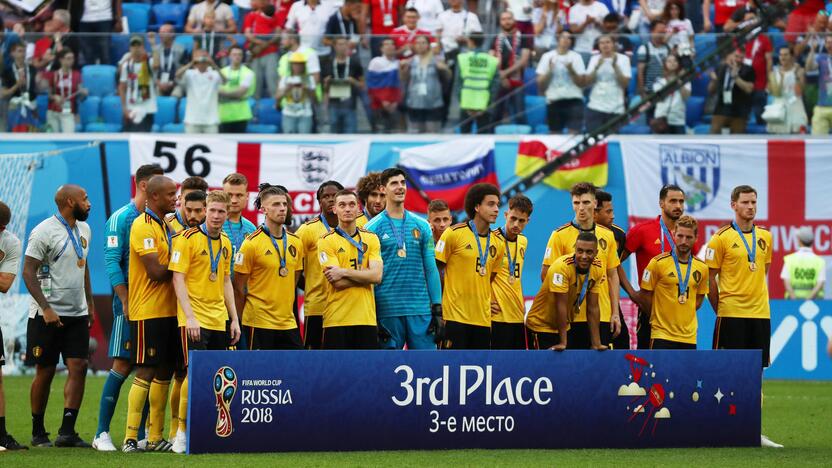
76, 242
356, 244
666, 232
283, 271
752, 251
215, 261
399, 234
683, 285
584, 286
511, 260
483, 255
236, 235
164, 225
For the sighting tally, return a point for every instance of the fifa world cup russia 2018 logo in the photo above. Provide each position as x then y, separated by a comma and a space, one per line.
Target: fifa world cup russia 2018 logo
225, 386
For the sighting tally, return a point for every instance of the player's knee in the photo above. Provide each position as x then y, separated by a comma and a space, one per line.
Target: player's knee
122, 366
145, 373
77, 367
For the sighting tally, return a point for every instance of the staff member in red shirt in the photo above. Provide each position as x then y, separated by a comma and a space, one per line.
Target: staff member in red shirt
722, 13
383, 17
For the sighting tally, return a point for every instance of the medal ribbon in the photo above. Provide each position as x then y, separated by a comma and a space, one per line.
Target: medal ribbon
180, 220
76, 242
683, 286
666, 232
511, 261
483, 255
215, 261
282, 256
326, 224
752, 252
584, 286
399, 234
164, 225
355, 244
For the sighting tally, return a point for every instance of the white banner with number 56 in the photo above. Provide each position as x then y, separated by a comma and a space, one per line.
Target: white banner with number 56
185, 156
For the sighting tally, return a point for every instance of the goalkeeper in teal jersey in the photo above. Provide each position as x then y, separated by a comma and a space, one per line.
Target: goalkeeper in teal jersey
409, 298
116, 255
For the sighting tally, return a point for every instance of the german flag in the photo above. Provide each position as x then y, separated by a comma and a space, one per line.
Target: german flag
534, 152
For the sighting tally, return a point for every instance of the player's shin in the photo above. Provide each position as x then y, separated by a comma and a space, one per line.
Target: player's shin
135, 404
158, 403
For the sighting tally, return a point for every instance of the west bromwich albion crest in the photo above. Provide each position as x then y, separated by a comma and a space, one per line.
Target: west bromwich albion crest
315, 165
694, 168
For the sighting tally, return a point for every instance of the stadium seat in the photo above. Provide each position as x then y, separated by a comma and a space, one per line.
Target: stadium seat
138, 16
266, 114
187, 42
631, 85
541, 130
165, 111
778, 40
535, 110
169, 13
635, 41
755, 129
235, 10
702, 129
111, 115
89, 110
635, 129
173, 128
530, 81
180, 115
42, 102
699, 85
512, 129
100, 80
704, 44
261, 129
119, 47
635, 100
694, 110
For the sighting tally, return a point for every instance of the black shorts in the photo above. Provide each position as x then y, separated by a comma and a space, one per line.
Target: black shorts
578, 335
313, 328
658, 343
542, 340
567, 113
350, 337
209, 340
643, 330
508, 335
155, 342
622, 341
465, 336
44, 343
264, 338
743, 333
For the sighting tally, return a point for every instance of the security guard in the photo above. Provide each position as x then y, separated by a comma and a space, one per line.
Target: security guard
804, 272
476, 72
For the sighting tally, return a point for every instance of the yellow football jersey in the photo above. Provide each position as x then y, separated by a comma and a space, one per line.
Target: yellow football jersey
314, 293
192, 257
361, 220
670, 320
173, 222
742, 293
562, 277
355, 305
509, 294
466, 297
270, 296
148, 299
562, 242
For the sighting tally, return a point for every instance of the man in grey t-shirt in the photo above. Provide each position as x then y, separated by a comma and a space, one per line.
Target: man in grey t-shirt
9, 266
58, 279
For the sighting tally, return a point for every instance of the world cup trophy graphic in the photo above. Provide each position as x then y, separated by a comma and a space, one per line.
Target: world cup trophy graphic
225, 386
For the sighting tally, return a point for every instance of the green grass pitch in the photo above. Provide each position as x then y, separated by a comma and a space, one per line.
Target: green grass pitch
796, 414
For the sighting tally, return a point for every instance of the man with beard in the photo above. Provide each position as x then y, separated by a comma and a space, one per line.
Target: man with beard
605, 215
61, 313
179, 219
371, 193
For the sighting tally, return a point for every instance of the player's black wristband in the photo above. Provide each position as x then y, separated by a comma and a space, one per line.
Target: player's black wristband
436, 310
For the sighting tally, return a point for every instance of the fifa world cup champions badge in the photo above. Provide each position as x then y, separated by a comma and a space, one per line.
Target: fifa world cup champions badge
225, 386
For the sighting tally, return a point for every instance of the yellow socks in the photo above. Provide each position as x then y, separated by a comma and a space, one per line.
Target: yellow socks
174, 408
158, 403
135, 404
183, 406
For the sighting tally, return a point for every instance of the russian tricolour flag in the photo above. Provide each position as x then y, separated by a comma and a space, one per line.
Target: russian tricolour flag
446, 170
383, 81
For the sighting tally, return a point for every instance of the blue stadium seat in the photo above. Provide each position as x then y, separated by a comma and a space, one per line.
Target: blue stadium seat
635, 40
169, 13
89, 110
180, 115
187, 41
704, 44
261, 129
535, 110
42, 102
266, 114
100, 80
541, 130
635, 100
694, 110
755, 129
631, 85
699, 85
119, 47
111, 111
173, 128
778, 40
235, 10
138, 16
512, 129
702, 129
165, 111
530, 81
635, 129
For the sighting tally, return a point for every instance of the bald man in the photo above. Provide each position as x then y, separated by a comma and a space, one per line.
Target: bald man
57, 275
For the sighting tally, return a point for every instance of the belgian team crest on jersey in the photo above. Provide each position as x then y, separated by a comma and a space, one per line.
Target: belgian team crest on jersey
693, 167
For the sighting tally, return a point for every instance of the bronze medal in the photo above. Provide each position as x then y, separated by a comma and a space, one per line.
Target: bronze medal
283, 271
212, 276
81, 263
510, 279
401, 253
482, 271
752, 266
683, 298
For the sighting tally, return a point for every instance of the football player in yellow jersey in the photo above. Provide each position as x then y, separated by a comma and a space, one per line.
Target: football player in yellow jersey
675, 284
605, 215
351, 261
153, 326
508, 308
189, 214
469, 256
266, 271
572, 282
314, 288
562, 242
371, 193
201, 266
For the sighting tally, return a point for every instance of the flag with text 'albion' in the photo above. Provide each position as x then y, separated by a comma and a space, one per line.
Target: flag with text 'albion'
535, 152
446, 170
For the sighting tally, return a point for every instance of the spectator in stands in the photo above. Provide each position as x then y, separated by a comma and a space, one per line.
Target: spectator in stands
680, 30
759, 54
549, 20
651, 57
422, 78
651, 11
210, 40
455, 25
611, 25
56, 39
384, 88
308, 18
20, 88
609, 74
669, 116
723, 9
404, 34
64, 90
822, 63
477, 71
343, 79
223, 18
429, 11
622, 9
585, 23
296, 96
137, 88
281, 12
97, 21
513, 51
522, 10
262, 39
804, 271
201, 79
559, 77
383, 16
785, 83
739, 18
733, 84
237, 89
344, 22
812, 41
171, 55
291, 44
802, 16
